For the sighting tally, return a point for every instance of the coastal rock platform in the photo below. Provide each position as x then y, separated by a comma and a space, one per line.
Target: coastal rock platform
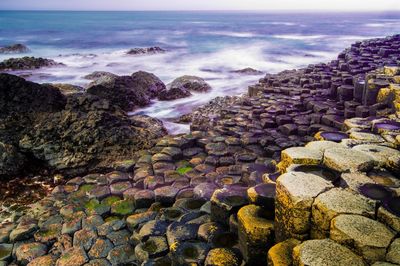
304, 170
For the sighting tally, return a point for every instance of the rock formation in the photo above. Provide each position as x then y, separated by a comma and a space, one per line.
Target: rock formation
304, 170
183, 86
128, 92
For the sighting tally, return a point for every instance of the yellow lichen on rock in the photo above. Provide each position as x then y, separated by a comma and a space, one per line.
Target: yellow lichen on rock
281, 253
383, 95
299, 155
256, 234
295, 193
324, 252
222, 257
391, 70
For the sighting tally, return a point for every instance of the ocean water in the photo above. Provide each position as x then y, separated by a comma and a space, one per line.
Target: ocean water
205, 44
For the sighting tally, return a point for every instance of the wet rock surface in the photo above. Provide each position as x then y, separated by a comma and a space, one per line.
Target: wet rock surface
259, 179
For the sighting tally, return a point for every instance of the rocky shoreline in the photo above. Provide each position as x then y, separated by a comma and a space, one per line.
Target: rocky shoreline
304, 170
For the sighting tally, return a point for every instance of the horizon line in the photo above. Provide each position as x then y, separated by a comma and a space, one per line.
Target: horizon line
207, 10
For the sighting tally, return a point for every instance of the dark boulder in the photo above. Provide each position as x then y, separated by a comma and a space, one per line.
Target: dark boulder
99, 74
70, 134
14, 49
25, 63
89, 135
11, 161
20, 96
149, 81
128, 92
182, 88
191, 83
174, 93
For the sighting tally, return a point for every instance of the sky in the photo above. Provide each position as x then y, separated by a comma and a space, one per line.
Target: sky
261, 5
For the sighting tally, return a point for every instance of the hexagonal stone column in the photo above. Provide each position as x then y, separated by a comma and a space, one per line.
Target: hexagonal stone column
281, 253
227, 201
385, 156
256, 234
337, 201
299, 155
367, 237
345, 160
295, 193
324, 252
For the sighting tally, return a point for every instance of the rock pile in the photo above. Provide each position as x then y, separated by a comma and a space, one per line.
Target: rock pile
73, 134
296, 173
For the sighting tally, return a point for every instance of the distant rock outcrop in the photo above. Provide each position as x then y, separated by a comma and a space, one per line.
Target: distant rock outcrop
247, 71
142, 51
14, 49
27, 62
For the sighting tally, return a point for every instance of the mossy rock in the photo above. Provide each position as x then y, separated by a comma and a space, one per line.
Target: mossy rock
87, 187
122, 207
110, 200
95, 207
183, 170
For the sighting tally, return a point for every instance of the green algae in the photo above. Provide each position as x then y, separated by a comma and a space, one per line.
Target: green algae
122, 207
183, 170
111, 218
87, 187
110, 200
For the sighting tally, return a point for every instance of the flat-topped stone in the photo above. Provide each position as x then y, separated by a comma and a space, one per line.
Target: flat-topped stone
334, 202
73, 257
370, 137
385, 156
324, 252
295, 193
300, 155
367, 237
322, 145
345, 160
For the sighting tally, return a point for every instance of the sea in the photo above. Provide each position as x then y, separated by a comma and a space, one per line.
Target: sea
206, 44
